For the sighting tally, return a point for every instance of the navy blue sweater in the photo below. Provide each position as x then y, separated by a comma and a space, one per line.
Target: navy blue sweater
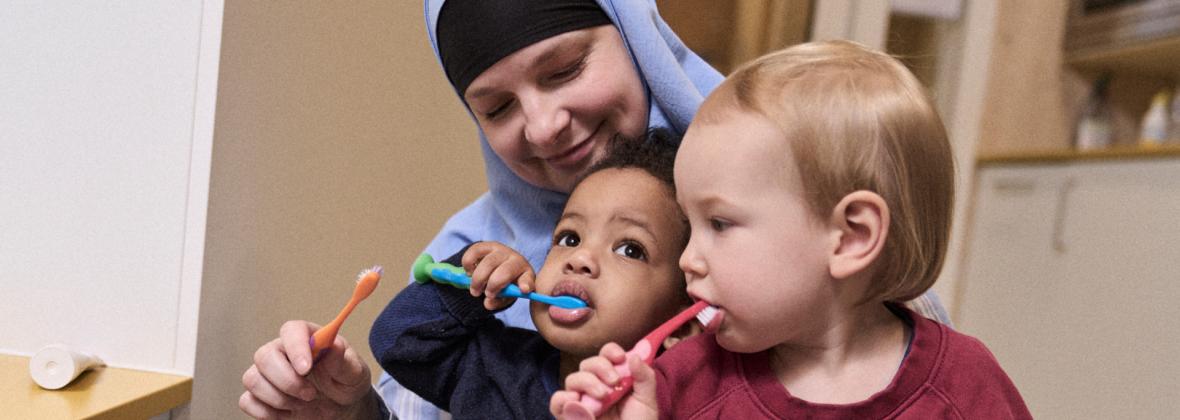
439, 342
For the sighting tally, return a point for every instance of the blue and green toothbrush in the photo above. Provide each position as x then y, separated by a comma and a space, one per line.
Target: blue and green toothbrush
425, 269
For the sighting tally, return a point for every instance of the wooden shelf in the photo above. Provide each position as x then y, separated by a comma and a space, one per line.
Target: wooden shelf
1141, 37
1160, 58
1063, 156
104, 393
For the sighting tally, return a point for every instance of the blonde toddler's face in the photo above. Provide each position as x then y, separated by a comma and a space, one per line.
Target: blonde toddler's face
755, 251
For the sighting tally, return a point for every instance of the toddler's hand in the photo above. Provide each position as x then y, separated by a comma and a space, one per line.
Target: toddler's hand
597, 377
493, 266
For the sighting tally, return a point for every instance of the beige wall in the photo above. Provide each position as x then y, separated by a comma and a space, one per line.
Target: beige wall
338, 144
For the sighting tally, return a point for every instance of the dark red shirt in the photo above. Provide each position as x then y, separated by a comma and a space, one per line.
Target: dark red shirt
946, 375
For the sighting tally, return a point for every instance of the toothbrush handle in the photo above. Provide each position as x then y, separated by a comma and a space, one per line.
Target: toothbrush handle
444, 273
455, 276
567, 302
644, 350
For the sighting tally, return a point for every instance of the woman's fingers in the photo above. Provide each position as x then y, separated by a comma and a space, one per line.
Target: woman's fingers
341, 375
293, 336
257, 409
274, 368
265, 393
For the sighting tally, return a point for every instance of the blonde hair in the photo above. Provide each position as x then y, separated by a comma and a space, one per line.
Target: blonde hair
857, 119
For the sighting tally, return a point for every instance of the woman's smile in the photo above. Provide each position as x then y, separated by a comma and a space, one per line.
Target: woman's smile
574, 158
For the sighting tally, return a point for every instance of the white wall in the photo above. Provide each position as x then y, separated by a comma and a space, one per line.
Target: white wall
106, 114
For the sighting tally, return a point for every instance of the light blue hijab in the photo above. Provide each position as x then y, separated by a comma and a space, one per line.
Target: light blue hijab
523, 216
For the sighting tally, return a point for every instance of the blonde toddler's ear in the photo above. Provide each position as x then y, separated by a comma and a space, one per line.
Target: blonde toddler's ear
860, 224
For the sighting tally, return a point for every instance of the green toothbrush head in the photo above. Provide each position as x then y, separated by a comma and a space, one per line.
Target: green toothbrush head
421, 274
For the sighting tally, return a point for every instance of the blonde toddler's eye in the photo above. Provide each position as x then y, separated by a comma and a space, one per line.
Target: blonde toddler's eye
568, 239
631, 250
718, 224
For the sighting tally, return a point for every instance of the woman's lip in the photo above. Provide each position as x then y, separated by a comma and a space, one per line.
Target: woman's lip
573, 157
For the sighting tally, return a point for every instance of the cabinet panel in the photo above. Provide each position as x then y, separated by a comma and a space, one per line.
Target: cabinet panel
1071, 280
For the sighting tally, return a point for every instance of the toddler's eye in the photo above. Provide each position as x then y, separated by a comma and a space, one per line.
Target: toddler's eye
631, 250
718, 224
566, 238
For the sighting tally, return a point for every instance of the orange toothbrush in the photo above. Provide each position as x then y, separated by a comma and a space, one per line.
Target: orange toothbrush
366, 282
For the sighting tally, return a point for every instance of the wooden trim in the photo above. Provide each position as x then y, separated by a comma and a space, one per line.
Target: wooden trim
1061, 156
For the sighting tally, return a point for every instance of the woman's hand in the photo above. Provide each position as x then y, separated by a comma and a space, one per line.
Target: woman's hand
283, 383
493, 266
597, 377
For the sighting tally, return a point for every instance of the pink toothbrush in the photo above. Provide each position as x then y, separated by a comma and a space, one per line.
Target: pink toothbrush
646, 349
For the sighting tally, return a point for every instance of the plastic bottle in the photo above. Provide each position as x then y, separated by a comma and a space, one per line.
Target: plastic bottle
1154, 130
1094, 126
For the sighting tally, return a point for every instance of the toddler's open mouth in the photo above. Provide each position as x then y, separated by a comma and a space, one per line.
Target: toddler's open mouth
570, 316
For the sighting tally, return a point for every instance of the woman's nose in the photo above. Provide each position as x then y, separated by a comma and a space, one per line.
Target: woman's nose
581, 262
546, 121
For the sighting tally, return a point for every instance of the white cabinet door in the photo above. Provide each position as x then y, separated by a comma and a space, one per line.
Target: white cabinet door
1072, 281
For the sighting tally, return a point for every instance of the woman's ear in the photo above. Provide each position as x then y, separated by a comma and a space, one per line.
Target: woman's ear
860, 224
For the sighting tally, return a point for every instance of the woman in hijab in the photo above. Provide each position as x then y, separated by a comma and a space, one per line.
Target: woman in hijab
548, 83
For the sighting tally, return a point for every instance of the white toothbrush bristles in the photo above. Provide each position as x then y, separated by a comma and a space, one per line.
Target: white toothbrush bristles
705, 316
366, 271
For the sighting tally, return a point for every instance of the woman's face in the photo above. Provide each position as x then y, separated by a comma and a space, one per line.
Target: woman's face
549, 109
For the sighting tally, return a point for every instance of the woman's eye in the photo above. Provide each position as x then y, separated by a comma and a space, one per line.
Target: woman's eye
569, 239
631, 250
497, 111
569, 72
718, 224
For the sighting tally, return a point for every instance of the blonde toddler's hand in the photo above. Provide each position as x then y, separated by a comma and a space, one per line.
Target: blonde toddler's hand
597, 377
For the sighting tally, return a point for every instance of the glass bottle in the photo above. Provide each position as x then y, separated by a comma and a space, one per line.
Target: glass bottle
1154, 129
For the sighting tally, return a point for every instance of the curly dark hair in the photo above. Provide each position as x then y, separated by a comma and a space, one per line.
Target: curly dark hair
655, 154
